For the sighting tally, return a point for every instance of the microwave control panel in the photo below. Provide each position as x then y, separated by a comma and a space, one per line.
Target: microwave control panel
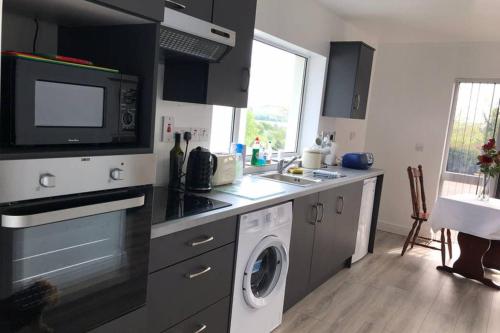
128, 107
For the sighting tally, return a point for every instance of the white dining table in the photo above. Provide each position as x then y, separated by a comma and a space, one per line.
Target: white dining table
478, 225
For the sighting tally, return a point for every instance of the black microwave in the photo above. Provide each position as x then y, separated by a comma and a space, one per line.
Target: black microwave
47, 102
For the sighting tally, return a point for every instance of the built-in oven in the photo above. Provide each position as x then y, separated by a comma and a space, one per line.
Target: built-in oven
69, 264
73, 257
46, 102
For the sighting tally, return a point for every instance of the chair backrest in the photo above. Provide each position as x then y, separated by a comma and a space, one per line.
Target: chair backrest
416, 177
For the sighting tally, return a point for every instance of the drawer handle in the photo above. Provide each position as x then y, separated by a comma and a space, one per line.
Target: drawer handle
201, 329
195, 275
205, 241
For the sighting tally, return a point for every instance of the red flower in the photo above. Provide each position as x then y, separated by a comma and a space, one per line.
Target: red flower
490, 145
485, 159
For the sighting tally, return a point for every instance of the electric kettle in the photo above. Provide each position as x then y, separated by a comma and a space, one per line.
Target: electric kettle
201, 166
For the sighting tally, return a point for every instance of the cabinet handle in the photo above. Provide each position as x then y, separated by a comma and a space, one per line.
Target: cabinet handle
205, 241
322, 212
340, 204
201, 329
357, 102
245, 83
174, 5
195, 275
315, 220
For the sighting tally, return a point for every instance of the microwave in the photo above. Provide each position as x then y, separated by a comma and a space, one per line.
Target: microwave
46, 102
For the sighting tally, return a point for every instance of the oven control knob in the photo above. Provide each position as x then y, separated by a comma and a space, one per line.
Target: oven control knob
116, 174
48, 180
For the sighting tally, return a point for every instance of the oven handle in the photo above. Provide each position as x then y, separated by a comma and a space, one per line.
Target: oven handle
26, 221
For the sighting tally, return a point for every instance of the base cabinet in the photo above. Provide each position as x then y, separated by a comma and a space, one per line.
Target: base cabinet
323, 238
214, 319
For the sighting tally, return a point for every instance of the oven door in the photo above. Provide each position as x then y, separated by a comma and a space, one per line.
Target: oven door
72, 264
58, 104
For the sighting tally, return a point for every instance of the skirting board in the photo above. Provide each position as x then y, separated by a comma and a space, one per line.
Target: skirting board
402, 229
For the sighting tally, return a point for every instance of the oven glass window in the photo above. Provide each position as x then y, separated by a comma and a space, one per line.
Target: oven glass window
68, 105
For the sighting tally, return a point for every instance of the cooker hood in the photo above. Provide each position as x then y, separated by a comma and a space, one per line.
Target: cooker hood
184, 35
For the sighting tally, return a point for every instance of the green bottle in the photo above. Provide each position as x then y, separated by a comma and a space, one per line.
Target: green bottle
255, 152
176, 161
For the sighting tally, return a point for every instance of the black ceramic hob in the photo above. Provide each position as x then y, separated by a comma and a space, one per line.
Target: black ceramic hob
171, 205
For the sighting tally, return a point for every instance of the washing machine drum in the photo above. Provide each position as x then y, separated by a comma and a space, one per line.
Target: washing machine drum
265, 272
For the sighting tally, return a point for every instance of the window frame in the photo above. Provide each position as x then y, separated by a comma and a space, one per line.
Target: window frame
236, 116
458, 177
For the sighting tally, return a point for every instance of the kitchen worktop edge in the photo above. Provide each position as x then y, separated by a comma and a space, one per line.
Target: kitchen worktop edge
242, 205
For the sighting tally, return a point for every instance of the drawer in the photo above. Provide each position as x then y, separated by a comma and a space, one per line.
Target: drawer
215, 319
174, 248
178, 292
201, 9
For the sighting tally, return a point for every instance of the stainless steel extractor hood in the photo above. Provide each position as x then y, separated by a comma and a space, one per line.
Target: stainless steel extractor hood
188, 36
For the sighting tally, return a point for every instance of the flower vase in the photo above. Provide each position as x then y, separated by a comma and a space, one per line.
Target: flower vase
483, 191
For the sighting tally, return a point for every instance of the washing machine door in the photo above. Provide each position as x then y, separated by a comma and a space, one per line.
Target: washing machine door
265, 272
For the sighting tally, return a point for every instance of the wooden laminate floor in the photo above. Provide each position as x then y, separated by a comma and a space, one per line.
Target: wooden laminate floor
385, 292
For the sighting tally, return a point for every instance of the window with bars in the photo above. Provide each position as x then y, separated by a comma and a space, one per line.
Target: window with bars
474, 120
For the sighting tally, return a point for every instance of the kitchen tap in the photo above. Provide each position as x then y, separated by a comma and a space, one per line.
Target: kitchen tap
283, 165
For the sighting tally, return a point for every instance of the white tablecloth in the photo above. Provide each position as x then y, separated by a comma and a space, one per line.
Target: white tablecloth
465, 213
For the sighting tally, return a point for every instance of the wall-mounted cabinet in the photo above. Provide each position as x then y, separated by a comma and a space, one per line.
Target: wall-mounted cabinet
348, 80
224, 83
152, 9
201, 9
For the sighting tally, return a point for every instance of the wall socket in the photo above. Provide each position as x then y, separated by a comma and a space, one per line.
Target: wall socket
167, 129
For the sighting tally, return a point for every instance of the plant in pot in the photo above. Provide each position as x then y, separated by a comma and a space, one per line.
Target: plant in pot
489, 167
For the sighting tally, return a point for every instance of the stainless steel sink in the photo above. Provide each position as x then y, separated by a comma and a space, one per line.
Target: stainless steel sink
289, 179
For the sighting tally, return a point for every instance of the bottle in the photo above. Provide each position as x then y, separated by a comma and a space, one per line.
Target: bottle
240, 161
256, 152
176, 162
331, 158
269, 152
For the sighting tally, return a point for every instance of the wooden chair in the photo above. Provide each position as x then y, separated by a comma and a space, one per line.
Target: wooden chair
421, 215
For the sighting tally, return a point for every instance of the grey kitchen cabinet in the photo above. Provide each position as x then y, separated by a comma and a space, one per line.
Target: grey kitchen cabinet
226, 82
201, 9
171, 249
180, 291
335, 236
323, 238
229, 80
301, 248
214, 319
348, 80
151, 9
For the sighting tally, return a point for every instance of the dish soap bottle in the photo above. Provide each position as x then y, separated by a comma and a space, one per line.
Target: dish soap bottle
256, 152
176, 162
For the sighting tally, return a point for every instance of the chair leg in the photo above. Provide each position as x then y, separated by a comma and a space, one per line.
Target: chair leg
407, 242
450, 245
443, 247
416, 234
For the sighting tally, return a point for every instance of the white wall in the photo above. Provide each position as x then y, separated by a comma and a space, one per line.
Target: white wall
410, 104
307, 24
312, 26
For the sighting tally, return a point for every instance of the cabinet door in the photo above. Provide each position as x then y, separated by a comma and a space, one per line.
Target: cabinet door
363, 77
324, 262
348, 80
201, 9
152, 9
301, 247
228, 80
347, 202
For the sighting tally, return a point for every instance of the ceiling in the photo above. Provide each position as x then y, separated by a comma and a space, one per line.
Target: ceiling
423, 20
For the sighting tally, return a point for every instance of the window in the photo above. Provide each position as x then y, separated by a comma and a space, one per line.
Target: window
474, 120
274, 102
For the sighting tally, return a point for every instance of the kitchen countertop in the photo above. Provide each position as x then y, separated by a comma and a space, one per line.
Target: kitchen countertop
241, 205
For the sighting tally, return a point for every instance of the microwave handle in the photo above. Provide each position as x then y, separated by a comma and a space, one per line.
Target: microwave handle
33, 220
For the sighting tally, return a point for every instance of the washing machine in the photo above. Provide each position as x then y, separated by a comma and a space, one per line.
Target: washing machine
261, 269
